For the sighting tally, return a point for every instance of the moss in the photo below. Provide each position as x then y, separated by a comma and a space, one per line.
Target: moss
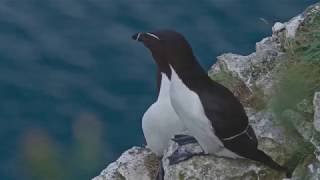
181, 176
254, 98
306, 107
235, 85
251, 175
152, 164
257, 100
298, 78
299, 73
307, 43
119, 176
297, 83
301, 152
226, 79
302, 170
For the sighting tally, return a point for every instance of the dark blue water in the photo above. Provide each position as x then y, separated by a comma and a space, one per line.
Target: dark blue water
74, 86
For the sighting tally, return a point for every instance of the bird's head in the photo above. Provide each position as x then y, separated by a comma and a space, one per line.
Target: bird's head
167, 47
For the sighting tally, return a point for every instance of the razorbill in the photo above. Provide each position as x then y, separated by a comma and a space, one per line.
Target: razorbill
160, 122
209, 111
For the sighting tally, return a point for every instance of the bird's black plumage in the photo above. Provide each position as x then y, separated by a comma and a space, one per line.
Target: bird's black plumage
221, 107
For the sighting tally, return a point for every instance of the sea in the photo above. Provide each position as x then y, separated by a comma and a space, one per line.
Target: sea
74, 85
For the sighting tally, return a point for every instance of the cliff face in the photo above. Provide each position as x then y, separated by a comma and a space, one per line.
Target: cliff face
279, 85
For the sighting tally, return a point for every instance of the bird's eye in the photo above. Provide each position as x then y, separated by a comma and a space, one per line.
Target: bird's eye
152, 35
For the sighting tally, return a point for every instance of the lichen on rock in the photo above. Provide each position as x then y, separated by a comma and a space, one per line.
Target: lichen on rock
136, 163
316, 104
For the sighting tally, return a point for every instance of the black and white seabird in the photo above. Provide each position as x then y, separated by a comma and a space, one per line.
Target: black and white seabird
160, 122
209, 111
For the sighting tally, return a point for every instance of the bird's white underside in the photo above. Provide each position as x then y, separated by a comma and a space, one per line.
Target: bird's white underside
178, 110
160, 122
188, 106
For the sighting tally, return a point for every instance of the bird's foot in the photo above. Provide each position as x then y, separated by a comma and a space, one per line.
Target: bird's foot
187, 148
178, 157
181, 139
182, 153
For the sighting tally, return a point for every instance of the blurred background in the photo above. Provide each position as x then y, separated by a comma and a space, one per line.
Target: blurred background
74, 86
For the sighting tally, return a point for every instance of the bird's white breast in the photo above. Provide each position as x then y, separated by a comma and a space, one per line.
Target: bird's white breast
160, 122
189, 108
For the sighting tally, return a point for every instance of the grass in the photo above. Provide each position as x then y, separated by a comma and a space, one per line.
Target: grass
297, 82
299, 75
298, 79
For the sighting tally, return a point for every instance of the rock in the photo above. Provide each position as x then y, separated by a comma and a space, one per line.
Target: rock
292, 26
212, 168
316, 123
305, 106
135, 164
308, 169
263, 124
234, 84
316, 104
304, 128
277, 27
256, 69
237, 65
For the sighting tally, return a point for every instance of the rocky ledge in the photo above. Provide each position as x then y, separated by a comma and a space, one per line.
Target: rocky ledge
291, 135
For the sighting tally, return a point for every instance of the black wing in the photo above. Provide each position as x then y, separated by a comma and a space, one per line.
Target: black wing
223, 109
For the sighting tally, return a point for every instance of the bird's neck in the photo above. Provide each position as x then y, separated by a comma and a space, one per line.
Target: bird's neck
190, 71
163, 83
162, 64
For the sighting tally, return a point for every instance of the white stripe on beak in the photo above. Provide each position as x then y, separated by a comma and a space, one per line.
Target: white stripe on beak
138, 36
152, 35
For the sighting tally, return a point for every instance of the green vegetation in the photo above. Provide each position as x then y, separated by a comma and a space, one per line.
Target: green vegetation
300, 154
298, 80
299, 75
257, 100
152, 164
226, 79
181, 176
302, 170
253, 99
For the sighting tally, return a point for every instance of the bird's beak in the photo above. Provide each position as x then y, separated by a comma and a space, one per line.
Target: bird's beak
137, 36
141, 36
